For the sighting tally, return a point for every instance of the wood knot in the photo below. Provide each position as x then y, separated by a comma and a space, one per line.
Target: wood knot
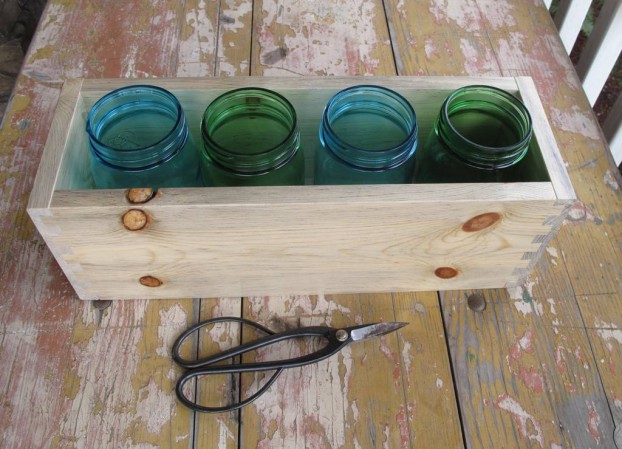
481, 221
150, 281
446, 272
135, 219
141, 195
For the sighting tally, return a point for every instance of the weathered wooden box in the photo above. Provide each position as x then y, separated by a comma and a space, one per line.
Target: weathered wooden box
206, 242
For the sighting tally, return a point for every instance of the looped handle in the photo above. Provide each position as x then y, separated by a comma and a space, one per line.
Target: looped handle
189, 364
226, 408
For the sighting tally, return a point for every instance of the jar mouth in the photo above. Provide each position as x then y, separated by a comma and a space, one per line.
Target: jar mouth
390, 110
513, 121
267, 143
103, 110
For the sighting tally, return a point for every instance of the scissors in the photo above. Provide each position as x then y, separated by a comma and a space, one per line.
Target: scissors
336, 338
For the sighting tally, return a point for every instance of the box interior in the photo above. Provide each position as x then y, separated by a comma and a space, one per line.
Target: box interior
75, 170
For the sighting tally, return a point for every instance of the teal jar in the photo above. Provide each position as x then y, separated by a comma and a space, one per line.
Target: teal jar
251, 138
480, 135
138, 137
368, 135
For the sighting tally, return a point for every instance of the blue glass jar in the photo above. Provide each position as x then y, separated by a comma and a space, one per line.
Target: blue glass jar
139, 137
251, 138
368, 135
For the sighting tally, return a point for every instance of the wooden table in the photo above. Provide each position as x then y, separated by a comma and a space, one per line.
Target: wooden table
540, 367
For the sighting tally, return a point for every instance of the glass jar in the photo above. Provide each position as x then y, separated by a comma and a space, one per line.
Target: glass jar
368, 135
251, 138
480, 135
139, 137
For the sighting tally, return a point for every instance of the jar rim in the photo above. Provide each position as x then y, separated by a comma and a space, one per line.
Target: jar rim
383, 90
126, 90
499, 93
232, 93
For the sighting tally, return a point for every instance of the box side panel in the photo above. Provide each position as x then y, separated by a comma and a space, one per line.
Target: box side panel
229, 250
68, 105
546, 140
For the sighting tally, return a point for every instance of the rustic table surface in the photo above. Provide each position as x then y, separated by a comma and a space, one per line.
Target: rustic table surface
540, 367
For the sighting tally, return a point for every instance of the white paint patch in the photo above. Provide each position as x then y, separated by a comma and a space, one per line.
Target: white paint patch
235, 11
478, 60
430, 48
611, 181
465, 14
556, 446
172, 322
407, 358
618, 403
355, 411
523, 307
608, 331
439, 383
518, 292
153, 407
196, 52
385, 444
575, 121
553, 253
551, 302
498, 13
525, 421
224, 434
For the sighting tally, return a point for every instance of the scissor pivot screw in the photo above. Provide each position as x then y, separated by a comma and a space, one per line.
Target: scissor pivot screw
341, 335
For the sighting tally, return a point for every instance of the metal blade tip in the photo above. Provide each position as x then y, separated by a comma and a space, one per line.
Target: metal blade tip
375, 330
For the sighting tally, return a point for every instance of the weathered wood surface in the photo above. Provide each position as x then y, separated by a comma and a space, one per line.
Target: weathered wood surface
539, 367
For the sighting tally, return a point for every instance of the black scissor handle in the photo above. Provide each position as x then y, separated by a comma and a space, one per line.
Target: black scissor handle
189, 375
189, 364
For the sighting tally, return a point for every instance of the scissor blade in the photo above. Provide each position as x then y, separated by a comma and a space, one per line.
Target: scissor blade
374, 330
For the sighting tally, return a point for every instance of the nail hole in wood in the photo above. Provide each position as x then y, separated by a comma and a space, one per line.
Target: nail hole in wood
150, 281
476, 302
135, 220
140, 195
101, 305
446, 272
481, 221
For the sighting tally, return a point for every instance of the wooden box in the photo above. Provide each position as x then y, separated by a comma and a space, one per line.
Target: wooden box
206, 242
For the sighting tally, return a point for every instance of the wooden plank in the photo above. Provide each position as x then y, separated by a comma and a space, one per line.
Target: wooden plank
220, 430
118, 388
602, 315
524, 372
320, 38
384, 392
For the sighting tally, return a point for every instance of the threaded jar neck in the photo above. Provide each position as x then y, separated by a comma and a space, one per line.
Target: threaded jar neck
484, 127
136, 128
250, 131
370, 128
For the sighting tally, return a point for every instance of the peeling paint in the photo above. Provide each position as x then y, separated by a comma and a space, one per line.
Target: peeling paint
575, 121
528, 426
593, 421
611, 181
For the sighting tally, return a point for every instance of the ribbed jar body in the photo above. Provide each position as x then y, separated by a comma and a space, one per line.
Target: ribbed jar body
251, 138
139, 137
368, 135
480, 135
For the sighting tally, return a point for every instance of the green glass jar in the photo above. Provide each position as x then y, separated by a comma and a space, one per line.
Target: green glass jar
138, 137
251, 138
368, 135
480, 135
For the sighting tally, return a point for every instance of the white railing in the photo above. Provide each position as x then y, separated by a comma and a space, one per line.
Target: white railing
598, 56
